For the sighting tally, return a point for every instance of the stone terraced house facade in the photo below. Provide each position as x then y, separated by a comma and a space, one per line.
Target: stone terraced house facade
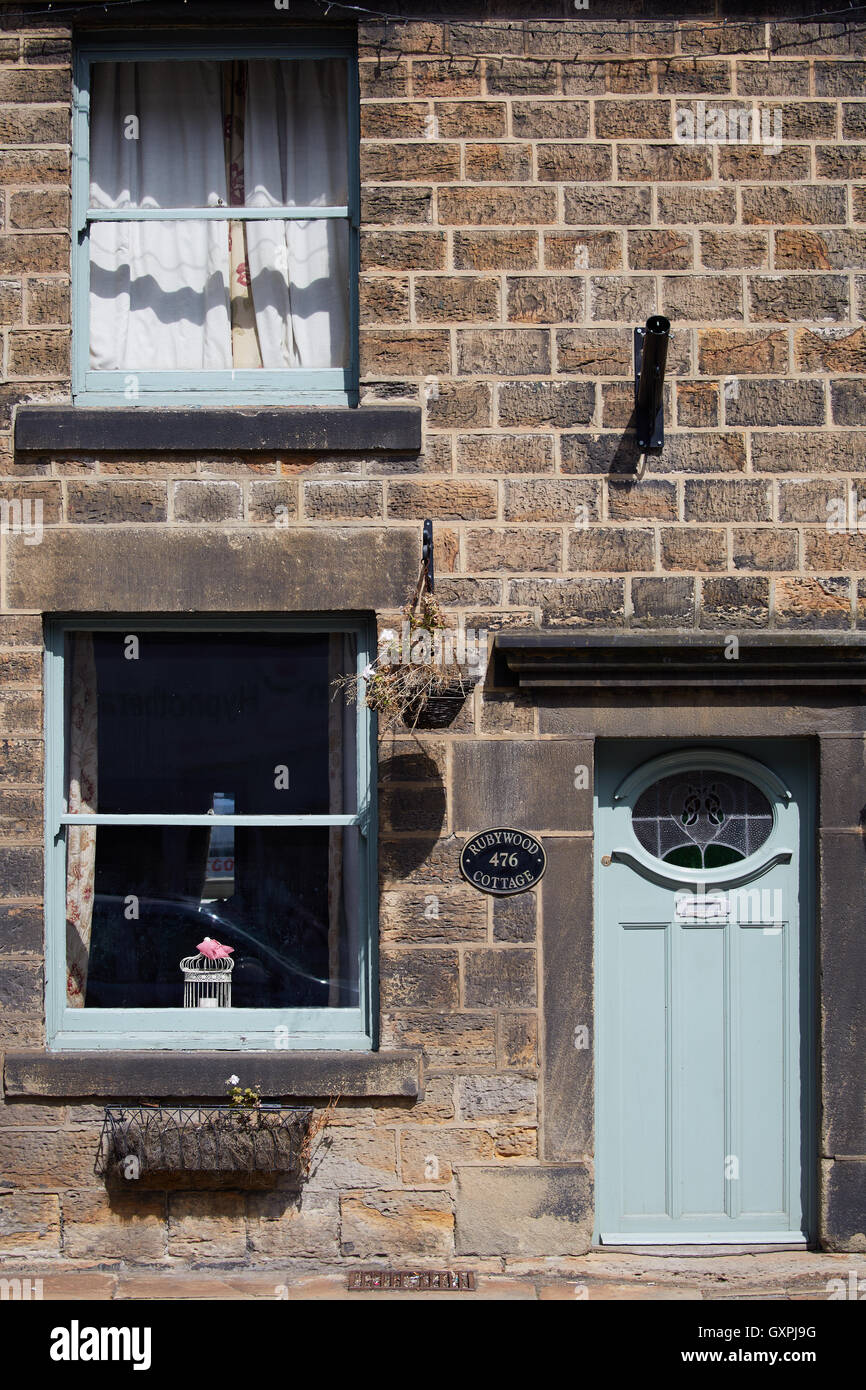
675, 636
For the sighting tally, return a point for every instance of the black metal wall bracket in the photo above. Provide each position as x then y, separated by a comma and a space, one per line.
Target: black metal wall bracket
650, 357
427, 555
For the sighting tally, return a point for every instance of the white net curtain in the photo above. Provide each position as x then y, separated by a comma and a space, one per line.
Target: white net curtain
196, 295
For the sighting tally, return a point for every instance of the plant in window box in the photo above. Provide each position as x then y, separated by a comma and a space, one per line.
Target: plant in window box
417, 679
245, 1102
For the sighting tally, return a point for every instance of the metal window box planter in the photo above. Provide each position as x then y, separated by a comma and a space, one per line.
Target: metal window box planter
149, 1145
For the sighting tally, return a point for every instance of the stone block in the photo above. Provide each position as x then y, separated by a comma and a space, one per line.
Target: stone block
206, 1225
550, 120
609, 548
687, 204
502, 977
664, 163
496, 1097
505, 453
456, 499
128, 1225
523, 1211
498, 163
800, 204
530, 785
809, 453
544, 298
382, 1225
449, 1040
692, 548
508, 351
843, 1014
496, 250
608, 205
515, 549
574, 603
411, 916
287, 1226
764, 548
29, 1224
844, 1202
702, 297
135, 569
773, 402
735, 602
569, 500
492, 206
517, 1042
595, 352
557, 404
350, 1158
786, 298
418, 979
514, 918
735, 352
428, 1158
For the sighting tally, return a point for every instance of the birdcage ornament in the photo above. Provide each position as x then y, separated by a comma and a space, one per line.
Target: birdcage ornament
207, 977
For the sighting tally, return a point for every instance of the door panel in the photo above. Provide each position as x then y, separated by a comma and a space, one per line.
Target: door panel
761, 974
699, 992
643, 975
699, 1067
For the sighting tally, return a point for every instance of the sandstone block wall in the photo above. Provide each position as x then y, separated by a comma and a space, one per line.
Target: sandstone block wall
525, 205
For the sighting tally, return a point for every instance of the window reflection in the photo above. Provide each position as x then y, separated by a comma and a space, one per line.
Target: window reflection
291, 917
219, 880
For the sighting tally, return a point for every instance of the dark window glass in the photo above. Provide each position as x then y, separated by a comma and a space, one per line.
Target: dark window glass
282, 903
169, 724
183, 718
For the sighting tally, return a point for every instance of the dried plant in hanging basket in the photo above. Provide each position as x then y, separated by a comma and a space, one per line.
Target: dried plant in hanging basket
415, 681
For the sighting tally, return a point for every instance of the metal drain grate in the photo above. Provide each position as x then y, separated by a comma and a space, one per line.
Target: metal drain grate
412, 1280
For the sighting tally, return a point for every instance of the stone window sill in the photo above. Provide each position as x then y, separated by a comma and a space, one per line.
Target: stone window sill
297, 429
171, 1075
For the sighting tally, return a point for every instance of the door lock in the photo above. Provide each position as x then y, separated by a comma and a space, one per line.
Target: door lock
605, 859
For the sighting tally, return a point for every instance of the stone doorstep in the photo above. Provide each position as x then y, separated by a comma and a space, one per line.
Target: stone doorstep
763, 1267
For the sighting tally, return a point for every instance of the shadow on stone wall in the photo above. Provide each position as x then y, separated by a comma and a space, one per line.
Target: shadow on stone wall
412, 798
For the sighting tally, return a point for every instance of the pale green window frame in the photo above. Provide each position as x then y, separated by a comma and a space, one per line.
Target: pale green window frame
340, 1029
324, 386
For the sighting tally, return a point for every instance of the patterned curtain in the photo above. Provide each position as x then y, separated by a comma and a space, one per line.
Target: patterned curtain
245, 338
81, 840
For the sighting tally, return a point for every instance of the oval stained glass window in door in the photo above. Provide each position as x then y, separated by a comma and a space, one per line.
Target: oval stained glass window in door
702, 819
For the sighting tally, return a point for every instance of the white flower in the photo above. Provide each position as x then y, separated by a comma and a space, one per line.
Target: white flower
368, 671
232, 1080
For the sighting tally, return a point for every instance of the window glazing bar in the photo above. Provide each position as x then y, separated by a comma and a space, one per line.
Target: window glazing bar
146, 818
215, 214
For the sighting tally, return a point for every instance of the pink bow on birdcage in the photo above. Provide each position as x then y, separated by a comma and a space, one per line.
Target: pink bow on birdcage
214, 950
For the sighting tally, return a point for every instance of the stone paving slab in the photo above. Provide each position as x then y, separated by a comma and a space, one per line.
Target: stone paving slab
599, 1276
75, 1286
609, 1291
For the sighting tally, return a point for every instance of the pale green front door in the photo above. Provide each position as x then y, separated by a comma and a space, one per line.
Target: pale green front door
703, 962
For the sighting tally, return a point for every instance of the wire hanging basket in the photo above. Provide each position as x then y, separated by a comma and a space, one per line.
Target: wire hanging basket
147, 1144
207, 983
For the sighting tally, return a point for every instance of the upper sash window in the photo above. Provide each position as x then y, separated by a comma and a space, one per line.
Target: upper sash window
217, 223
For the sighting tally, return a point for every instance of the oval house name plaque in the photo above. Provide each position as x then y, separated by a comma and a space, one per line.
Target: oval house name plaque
503, 861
